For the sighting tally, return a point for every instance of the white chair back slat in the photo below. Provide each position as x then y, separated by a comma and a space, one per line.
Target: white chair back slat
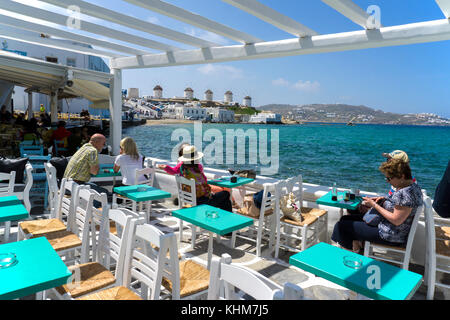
186, 197
149, 175
8, 180
53, 190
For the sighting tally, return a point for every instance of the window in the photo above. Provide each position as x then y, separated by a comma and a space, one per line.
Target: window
51, 59
71, 62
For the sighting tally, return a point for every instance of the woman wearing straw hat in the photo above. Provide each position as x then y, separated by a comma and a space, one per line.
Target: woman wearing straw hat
191, 169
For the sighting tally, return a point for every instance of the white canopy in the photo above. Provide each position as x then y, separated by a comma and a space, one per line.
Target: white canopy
368, 33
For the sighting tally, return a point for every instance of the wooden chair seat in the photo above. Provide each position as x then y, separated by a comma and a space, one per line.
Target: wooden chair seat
86, 278
314, 211
399, 248
255, 214
43, 226
114, 293
193, 278
62, 240
443, 247
442, 233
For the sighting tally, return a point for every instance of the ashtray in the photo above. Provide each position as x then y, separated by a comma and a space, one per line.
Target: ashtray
212, 214
142, 189
352, 262
7, 260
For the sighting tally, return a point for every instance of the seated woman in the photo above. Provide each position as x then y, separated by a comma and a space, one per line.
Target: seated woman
396, 212
128, 161
190, 169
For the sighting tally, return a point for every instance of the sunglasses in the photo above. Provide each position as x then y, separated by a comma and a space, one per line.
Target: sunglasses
388, 179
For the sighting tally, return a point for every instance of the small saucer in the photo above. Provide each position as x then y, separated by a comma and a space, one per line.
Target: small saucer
7, 260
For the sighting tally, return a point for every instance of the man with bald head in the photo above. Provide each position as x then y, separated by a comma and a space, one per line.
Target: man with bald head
84, 163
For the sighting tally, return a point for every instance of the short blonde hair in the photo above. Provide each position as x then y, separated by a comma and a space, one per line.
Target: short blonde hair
129, 147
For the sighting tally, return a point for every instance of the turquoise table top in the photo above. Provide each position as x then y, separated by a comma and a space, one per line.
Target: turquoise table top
226, 221
226, 183
102, 173
12, 209
351, 204
38, 268
146, 194
374, 279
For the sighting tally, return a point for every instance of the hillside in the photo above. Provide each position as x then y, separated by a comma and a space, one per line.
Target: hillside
343, 113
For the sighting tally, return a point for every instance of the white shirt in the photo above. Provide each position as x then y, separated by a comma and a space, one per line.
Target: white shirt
128, 168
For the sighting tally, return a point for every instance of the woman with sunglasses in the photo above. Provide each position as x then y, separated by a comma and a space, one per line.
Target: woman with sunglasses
396, 212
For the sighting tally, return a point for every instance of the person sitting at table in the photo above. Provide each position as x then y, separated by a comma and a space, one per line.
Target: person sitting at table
191, 169
396, 212
84, 163
128, 161
176, 170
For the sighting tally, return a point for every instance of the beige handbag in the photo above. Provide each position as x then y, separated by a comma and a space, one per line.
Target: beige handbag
289, 207
249, 208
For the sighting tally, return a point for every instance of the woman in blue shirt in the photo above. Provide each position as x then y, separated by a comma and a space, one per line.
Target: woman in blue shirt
396, 212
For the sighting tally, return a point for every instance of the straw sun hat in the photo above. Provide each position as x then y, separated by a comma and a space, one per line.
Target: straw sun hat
190, 153
397, 154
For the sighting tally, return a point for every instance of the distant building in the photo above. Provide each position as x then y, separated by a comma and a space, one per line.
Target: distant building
220, 114
247, 101
158, 92
228, 97
189, 93
265, 118
208, 95
190, 112
133, 93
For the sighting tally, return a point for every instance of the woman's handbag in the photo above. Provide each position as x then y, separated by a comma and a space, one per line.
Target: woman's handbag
372, 217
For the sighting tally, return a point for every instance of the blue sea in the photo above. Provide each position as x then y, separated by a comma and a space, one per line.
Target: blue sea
322, 153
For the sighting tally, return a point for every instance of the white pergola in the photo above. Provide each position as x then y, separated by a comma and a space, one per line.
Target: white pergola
304, 40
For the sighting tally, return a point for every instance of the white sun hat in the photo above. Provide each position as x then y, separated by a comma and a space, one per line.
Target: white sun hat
190, 154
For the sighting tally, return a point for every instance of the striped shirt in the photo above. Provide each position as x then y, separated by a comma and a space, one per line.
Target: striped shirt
79, 166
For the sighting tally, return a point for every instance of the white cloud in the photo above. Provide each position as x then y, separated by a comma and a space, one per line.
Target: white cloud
153, 20
307, 86
206, 35
223, 70
281, 82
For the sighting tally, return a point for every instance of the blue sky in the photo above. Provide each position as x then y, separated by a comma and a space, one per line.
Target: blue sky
403, 79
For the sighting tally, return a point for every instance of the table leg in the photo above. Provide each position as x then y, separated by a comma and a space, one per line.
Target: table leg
7, 228
210, 249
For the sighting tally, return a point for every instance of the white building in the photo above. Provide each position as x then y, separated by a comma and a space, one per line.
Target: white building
69, 58
220, 114
158, 92
208, 95
265, 118
133, 93
189, 93
247, 101
228, 97
190, 112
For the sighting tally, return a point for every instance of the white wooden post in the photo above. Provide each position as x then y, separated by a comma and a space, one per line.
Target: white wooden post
115, 109
54, 107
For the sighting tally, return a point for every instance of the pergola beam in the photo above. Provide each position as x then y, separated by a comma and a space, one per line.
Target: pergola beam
445, 7
273, 17
35, 27
50, 43
84, 26
352, 11
131, 22
430, 31
195, 20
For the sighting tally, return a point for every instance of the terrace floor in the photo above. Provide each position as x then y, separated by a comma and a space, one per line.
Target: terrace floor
244, 253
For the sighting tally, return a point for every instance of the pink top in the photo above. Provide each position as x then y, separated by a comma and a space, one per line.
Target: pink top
176, 170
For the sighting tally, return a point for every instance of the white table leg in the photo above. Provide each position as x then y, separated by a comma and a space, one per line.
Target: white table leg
7, 227
210, 249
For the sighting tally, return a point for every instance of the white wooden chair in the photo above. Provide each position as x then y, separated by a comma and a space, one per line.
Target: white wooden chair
265, 222
149, 174
53, 190
437, 248
63, 207
22, 190
89, 277
153, 261
186, 198
226, 277
395, 254
309, 231
7, 190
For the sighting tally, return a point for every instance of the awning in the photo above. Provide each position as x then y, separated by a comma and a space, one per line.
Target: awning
46, 77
